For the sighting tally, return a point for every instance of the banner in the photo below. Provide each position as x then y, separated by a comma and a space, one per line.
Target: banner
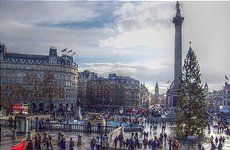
19, 146
115, 133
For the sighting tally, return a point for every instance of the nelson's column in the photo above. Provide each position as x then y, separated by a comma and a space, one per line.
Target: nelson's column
177, 20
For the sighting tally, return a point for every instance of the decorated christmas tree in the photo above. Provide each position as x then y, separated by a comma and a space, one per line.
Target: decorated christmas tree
190, 114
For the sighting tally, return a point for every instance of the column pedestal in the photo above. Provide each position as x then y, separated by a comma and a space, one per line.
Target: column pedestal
79, 140
29, 135
14, 134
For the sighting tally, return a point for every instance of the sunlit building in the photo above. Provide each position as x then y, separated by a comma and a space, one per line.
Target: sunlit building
115, 91
84, 77
146, 98
44, 82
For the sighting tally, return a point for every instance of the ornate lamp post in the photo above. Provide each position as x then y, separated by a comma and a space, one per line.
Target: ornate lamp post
31, 107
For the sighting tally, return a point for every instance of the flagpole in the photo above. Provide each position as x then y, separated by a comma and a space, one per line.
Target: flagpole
226, 78
77, 58
66, 57
75, 53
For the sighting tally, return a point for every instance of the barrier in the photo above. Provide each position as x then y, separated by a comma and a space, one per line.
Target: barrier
6, 134
4, 122
76, 127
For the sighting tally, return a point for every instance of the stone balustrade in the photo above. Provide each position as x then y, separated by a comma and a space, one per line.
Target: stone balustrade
4, 122
76, 127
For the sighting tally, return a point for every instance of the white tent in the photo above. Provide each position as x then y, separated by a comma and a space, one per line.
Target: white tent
224, 109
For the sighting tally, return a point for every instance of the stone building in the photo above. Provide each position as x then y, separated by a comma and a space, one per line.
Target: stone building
44, 82
226, 95
146, 97
84, 77
115, 91
218, 100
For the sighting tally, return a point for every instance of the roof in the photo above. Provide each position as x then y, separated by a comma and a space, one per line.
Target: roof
26, 56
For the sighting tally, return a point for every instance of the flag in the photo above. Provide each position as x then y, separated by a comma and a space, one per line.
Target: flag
19, 146
74, 53
226, 78
70, 51
63, 50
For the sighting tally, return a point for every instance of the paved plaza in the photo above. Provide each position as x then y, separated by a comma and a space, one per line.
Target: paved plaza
6, 144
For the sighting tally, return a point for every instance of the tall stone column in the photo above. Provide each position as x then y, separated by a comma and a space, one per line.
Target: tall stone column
177, 20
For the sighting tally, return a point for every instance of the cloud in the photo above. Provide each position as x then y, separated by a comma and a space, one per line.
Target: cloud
128, 38
142, 71
207, 24
34, 39
140, 24
41, 12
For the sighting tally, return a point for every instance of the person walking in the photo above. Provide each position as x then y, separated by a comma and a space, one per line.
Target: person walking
98, 144
216, 140
145, 142
30, 145
219, 147
93, 143
59, 135
37, 143
165, 137
131, 144
48, 143
213, 146
170, 143
63, 144
71, 144
199, 146
115, 141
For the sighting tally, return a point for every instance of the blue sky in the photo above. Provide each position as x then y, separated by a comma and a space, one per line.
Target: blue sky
128, 38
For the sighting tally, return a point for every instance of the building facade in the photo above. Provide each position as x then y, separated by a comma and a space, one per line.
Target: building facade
114, 91
84, 77
146, 98
218, 100
44, 82
226, 95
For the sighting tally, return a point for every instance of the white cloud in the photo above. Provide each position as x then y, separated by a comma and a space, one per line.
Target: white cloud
41, 12
141, 32
145, 24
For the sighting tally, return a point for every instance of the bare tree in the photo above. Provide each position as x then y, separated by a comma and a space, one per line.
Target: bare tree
50, 89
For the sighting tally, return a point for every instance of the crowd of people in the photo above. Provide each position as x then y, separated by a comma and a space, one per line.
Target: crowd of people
147, 139
46, 142
217, 143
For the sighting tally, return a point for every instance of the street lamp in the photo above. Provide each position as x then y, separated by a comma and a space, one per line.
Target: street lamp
111, 102
0, 132
105, 126
31, 107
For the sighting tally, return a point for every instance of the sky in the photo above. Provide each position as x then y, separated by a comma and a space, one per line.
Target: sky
129, 38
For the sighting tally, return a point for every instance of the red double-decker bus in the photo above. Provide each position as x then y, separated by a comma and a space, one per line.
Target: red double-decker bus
19, 108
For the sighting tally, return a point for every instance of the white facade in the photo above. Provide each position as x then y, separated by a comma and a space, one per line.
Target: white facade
226, 95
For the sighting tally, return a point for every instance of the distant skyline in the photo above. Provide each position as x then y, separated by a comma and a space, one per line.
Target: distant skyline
127, 38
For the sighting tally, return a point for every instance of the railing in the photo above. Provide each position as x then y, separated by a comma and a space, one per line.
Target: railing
73, 127
77, 127
4, 122
6, 134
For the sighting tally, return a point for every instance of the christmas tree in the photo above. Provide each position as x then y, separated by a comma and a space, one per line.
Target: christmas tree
190, 114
